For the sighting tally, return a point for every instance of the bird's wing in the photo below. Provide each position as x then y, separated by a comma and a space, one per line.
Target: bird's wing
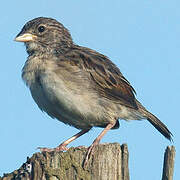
107, 77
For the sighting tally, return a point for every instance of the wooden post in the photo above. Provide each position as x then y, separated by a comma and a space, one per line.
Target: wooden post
109, 162
168, 167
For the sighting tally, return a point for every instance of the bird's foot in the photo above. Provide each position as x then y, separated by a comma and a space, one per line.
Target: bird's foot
61, 147
90, 152
80, 147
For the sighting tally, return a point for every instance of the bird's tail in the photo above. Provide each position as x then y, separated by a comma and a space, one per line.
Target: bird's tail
162, 128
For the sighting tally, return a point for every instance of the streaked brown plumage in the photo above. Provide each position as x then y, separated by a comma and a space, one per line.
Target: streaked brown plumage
77, 85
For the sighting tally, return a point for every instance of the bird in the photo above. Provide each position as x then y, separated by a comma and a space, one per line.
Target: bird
77, 85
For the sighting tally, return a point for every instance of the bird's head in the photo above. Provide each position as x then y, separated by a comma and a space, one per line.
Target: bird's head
43, 35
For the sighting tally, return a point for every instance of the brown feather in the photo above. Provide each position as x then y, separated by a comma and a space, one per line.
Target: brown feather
108, 78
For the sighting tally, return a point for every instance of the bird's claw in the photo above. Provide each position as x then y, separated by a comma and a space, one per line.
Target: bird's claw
57, 149
89, 154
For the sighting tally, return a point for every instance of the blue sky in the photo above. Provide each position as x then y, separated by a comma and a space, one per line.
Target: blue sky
141, 37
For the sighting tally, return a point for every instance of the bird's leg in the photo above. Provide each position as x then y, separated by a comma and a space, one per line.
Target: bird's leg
62, 146
96, 141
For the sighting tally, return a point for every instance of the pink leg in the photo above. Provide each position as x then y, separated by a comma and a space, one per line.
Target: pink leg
62, 146
96, 141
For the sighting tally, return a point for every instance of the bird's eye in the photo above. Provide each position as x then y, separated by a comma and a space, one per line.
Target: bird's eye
41, 29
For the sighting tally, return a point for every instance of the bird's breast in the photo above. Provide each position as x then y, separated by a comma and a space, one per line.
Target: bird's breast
64, 94
47, 88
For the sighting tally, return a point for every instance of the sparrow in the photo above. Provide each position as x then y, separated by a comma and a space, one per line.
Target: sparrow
77, 85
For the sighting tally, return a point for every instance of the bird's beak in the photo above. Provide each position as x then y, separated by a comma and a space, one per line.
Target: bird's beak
25, 37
